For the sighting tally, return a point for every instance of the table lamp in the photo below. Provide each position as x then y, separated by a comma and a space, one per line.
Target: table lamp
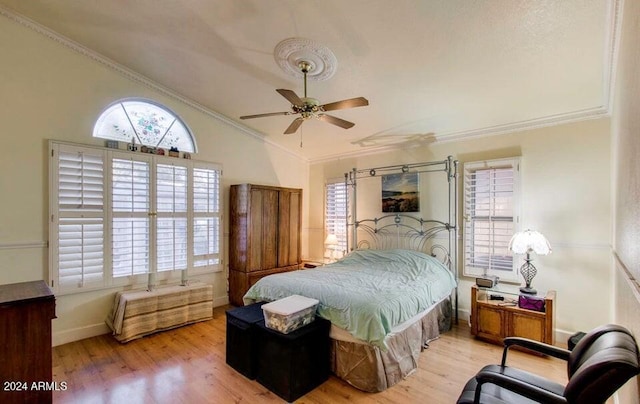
526, 242
331, 242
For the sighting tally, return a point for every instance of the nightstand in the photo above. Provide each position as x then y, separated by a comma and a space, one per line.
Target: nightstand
493, 320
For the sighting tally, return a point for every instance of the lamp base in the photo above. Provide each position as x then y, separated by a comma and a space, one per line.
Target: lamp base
528, 291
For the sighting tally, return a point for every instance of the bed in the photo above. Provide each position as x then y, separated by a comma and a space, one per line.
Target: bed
391, 295
384, 306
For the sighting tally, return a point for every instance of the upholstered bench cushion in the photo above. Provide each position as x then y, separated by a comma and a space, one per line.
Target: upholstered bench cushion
139, 313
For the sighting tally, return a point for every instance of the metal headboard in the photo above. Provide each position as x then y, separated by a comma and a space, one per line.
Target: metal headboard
405, 232
437, 237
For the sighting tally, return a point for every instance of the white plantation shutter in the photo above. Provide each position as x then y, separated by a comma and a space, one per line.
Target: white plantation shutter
206, 216
80, 251
171, 225
205, 242
335, 214
131, 200
78, 222
491, 195
206, 190
80, 180
171, 241
116, 216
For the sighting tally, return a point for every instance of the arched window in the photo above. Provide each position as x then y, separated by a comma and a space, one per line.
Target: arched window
146, 123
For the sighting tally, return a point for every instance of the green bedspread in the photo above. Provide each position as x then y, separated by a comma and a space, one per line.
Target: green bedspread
366, 293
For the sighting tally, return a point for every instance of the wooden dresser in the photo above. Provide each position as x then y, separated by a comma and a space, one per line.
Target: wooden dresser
264, 234
26, 311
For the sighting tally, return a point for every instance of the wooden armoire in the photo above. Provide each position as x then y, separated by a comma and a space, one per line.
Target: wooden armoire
264, 239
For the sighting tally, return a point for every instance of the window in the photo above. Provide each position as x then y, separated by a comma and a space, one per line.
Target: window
118, 216
206, 216
491, 215
80, 231
144, 122
335, 217
130, 208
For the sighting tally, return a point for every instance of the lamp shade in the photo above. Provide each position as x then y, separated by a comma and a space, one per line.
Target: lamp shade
529, 241
331, 239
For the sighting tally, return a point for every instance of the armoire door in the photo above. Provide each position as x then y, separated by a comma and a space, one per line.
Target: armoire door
264, 229
289, 205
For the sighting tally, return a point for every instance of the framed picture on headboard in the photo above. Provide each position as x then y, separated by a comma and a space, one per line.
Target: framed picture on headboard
400, 193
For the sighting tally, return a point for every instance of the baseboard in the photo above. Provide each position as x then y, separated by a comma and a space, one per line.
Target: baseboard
76, 334
464, 315
562, 337
221, 301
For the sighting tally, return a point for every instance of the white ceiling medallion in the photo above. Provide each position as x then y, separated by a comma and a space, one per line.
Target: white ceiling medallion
290, 52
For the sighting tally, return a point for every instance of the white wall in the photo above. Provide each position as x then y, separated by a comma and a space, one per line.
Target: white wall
50, 91
566, 184
626, 169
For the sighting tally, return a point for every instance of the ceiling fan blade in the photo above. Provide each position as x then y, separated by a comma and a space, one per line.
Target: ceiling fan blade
291, 96
263, 115
350, 103
294, 126
336, 121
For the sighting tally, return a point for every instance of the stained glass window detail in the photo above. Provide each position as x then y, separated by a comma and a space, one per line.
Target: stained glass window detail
145, 123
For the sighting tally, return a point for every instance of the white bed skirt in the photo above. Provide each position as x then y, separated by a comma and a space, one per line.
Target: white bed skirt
371, 369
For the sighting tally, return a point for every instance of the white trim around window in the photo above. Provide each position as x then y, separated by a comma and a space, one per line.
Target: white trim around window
491, 216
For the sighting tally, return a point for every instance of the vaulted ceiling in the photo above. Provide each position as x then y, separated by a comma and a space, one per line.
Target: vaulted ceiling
431, 70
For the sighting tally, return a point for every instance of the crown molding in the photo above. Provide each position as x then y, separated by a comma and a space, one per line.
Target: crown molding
520, 126
530, 124
138, 78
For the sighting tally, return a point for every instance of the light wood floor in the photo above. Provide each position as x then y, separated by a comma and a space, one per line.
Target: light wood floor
187, 365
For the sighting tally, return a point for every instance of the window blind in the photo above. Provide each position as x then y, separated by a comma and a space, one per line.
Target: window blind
80, 250
490, 216
206, 216
79, 234
130, 209
336, 213
80, 184
117, 215
171, 225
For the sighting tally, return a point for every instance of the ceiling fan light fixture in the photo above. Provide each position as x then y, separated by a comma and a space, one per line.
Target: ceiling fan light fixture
307, 107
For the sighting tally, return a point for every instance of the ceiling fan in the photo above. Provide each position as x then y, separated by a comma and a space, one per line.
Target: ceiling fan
308, 107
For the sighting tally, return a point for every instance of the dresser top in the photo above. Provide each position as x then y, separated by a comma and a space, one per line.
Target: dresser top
24, 292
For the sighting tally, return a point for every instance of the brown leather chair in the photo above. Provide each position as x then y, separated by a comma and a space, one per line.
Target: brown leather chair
603, 360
